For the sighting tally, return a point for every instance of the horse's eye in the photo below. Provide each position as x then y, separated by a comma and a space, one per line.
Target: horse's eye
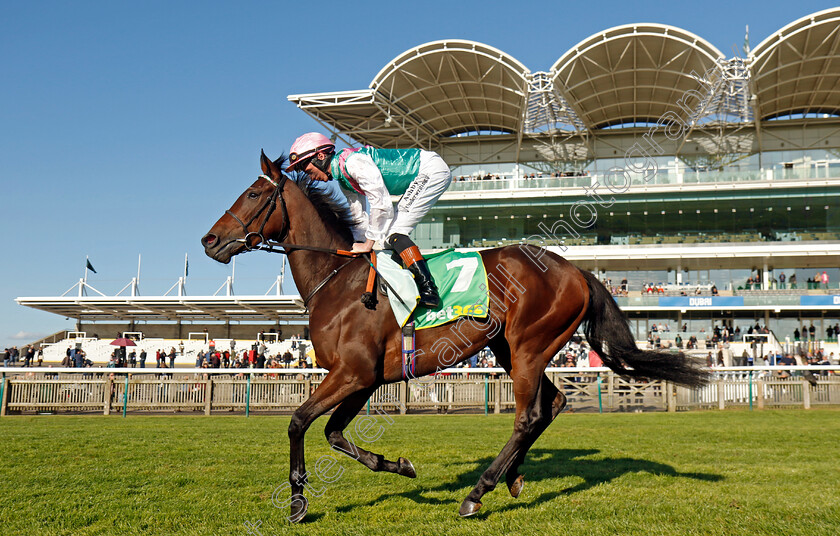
253, 195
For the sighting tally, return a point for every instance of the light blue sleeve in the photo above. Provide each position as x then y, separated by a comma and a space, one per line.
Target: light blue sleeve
350, 210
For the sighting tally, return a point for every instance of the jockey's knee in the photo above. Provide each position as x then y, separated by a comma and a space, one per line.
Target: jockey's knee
399, 242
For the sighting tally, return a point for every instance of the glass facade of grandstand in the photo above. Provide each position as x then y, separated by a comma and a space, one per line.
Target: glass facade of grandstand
679, 212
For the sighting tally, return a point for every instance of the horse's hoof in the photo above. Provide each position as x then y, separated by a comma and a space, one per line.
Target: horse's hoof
516, 486
558, 405
298, 512
406, 468
469, 508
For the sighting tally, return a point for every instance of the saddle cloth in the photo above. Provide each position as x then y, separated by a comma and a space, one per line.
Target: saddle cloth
461, 280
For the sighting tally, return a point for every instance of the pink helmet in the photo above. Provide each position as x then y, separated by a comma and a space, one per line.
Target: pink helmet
306, 146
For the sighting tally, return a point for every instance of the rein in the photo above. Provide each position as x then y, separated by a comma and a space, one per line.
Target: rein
272, 246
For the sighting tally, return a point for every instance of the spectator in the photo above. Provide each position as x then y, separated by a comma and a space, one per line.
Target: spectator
6, 357
792, 281
824, 280
812, 331
143, 358
172, 357
714, 290
782, 280
79, 358
796, 335
132, 359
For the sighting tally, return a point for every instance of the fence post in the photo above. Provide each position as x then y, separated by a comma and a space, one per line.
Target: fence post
497, 406
670, 403
611, 390
208, 395
600, 397
307, 385
486, 395
759, 394
4, 394
248, 396
125, 396
403, 397
721, 395
750, 391
806, 394
108, 386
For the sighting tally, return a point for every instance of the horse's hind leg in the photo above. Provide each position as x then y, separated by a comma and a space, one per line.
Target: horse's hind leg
528, 386
551, 403
339, 420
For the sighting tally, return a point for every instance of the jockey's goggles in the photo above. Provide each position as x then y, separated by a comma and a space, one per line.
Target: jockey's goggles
299, 161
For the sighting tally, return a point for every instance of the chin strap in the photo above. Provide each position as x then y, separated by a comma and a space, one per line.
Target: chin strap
323, 165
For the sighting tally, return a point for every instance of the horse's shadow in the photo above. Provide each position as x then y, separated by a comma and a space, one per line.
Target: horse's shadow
543, 464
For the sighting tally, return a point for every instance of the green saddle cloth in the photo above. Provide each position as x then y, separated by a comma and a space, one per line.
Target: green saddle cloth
462, 284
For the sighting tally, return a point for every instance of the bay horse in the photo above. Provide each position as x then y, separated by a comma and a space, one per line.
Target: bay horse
537, 302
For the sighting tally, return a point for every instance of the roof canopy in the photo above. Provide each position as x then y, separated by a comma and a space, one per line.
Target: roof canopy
194, 308
454, 87
797, 69
631, 75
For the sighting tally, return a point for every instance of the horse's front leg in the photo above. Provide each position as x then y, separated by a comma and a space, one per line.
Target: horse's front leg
339, 420
338, 385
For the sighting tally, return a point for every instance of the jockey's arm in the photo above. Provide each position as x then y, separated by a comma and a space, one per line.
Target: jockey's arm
348, 205
380, 209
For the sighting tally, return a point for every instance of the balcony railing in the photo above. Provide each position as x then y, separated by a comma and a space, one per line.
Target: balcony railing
663, 177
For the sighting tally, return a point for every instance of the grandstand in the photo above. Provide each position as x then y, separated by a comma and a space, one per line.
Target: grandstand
643, 153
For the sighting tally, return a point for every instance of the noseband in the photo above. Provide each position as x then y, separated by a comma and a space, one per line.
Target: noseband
271, 205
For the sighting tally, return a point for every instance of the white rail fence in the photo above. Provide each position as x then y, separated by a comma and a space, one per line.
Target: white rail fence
110, 390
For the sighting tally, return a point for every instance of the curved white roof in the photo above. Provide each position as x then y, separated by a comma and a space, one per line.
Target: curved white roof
797, 69
633, 73
629, 75
455, 86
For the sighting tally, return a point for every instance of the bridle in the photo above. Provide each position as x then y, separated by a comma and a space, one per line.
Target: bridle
271, 205
278, 246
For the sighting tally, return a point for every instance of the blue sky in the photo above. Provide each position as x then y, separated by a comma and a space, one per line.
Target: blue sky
126, 128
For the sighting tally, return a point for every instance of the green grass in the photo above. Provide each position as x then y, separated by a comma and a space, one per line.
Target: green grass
716, 473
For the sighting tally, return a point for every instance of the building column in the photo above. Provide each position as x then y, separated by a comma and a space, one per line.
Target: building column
765, 277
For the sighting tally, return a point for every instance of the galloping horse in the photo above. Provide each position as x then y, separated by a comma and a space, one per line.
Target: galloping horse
537, 302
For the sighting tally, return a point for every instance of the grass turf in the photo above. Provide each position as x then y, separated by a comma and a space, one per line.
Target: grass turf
717, 473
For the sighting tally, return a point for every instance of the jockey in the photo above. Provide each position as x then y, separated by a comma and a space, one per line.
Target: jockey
420, 177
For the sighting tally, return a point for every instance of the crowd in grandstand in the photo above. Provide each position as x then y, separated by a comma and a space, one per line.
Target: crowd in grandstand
819, 281
537, 175
28, 355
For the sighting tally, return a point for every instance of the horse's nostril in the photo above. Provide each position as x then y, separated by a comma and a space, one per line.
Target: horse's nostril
208, 240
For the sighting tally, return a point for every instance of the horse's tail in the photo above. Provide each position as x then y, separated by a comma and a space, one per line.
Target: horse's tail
605, 323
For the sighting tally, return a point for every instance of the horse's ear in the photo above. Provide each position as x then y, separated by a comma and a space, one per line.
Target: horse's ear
268, 166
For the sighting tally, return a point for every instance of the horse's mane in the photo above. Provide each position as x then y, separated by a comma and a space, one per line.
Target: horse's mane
340, 223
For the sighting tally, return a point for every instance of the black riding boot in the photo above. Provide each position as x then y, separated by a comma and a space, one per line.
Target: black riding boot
414, 262
428, 291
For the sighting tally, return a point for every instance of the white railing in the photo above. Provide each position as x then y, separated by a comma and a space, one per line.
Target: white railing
111, 390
